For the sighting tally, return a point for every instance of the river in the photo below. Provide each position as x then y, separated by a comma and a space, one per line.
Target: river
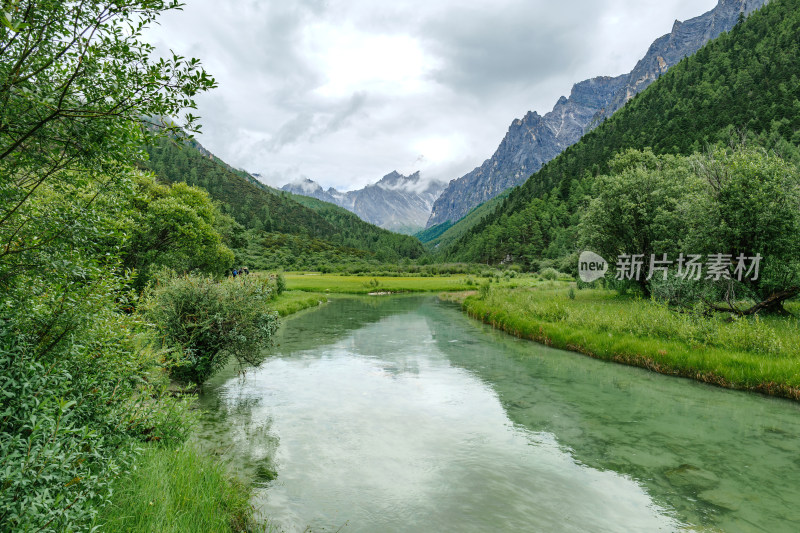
398, 414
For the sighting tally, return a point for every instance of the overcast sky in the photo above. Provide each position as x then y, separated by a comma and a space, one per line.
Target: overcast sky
345, 92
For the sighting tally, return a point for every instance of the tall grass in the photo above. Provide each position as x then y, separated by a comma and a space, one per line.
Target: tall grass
178, 490
290, 302
333, 283
758, 353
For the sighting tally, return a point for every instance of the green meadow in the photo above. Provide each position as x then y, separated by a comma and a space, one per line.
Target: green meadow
342, 284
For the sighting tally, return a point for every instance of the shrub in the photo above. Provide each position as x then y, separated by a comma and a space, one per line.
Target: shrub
484, 290
280, 284
204, 322
550, 274
72, 411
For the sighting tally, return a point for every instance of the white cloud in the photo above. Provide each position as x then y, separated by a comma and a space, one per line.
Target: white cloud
344, 92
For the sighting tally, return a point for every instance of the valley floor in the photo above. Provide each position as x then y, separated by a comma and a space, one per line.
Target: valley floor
366, 284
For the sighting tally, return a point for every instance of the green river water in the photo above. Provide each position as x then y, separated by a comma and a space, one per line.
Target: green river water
401, 414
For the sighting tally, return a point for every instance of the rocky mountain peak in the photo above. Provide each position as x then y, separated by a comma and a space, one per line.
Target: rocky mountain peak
396, 202
534, 140
685, 39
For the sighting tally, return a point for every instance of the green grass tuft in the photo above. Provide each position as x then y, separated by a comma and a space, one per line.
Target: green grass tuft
291, 302
176, 490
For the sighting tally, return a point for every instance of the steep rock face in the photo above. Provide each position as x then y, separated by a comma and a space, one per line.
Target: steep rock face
530, 143
523, 150
685, 39
534, 140
396, 202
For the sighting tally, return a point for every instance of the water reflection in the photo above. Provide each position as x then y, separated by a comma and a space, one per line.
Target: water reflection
399, 414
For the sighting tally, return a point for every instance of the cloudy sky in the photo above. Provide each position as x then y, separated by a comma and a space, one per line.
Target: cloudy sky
343, 92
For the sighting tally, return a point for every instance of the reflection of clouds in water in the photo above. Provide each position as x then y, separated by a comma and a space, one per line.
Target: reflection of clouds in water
429, 449
392, 426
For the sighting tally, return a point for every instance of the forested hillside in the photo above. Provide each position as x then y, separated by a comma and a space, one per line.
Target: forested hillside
743, 85
442, 235
277, 225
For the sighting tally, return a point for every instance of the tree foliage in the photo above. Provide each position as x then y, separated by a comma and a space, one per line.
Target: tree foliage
750, 204
639, 207
744, 85
275, 216
206, 322
76, 80
742, 202
81, 386
173, 226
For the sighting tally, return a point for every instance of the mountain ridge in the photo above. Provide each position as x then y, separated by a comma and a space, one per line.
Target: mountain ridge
395, 202
740, 88
522, 153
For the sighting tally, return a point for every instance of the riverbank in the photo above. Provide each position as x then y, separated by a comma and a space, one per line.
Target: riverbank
177, 490
290, 302
342, 284
756, 354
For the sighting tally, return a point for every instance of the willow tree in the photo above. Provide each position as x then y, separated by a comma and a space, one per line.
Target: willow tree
638, 210
750, 207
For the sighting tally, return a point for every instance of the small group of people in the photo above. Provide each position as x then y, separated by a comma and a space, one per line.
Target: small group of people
239, 271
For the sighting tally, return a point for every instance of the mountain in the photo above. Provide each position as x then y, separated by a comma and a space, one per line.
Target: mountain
279, 230
396, 202
307, 187
530, 142
742, 85
534, 140
684, 39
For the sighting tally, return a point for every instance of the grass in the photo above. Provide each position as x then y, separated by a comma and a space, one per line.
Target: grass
176, 490
291, 302
759, 354
334, 283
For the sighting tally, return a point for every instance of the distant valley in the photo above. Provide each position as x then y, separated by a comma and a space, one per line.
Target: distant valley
409, 204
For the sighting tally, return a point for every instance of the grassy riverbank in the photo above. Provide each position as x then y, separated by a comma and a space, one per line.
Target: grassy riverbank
334, 283
291, 302
177, 490
757, 354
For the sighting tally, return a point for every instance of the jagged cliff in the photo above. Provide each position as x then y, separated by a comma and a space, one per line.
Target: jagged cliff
396, 202
684, 39
530, 142
534, 140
